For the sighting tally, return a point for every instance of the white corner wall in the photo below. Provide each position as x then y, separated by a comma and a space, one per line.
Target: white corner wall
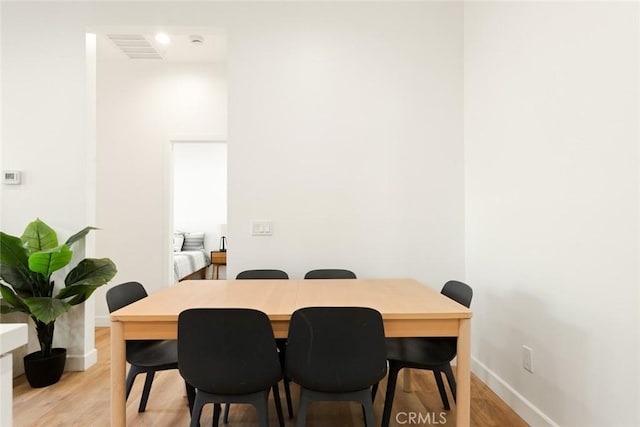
551, 152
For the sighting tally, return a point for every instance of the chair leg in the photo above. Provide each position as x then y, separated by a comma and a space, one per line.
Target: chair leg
215, 419
197, 411
225, 419
364, 409
276, 400
364, 416
146, 390
282, 349
287, 395
443, 393
131, 376
216, 414
191, 395
367, 407
391, 389
450, 379
302, 408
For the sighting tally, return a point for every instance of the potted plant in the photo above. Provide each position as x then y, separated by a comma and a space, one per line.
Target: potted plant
27, 264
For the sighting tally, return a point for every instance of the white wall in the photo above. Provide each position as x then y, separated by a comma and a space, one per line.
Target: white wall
347, 135
200, 189
44, 120
141, 106
551, 144
45, 135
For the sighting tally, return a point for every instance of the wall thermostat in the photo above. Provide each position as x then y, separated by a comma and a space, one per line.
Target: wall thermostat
11, 177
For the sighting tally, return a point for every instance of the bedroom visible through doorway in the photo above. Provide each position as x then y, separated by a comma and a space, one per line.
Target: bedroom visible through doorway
199, 204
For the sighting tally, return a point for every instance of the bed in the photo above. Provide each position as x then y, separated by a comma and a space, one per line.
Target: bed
190, 260
188, 263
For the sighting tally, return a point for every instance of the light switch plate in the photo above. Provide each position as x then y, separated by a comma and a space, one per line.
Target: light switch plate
261, 228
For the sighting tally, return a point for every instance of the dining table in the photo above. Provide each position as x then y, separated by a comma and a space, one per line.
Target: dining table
408, 308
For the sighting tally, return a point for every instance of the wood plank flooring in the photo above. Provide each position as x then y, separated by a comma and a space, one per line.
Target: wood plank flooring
82, 399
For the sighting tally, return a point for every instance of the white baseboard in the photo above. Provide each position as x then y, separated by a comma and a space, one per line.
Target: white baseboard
103, 321
81, 362
525, 409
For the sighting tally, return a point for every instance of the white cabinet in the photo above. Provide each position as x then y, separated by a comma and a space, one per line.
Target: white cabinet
12, 336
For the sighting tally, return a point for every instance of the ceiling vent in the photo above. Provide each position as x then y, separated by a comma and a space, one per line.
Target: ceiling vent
135, 46
196, 40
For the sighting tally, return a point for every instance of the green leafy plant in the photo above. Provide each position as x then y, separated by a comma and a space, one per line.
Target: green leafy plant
27, 264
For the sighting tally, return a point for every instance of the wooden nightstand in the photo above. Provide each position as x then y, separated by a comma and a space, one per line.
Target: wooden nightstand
217, 259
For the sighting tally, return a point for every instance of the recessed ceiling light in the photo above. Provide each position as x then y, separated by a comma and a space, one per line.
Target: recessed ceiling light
163, 38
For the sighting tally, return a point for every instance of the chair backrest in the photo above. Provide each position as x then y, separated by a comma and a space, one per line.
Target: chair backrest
120, 296
227, 350
336, 349
458, 291
262, 274
124, 294
462, 294
330, 273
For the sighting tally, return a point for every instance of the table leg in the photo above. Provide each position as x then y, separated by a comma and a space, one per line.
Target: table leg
463, 380
215, 271
118, 368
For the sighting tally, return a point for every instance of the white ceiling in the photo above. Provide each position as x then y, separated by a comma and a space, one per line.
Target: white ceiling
180, 49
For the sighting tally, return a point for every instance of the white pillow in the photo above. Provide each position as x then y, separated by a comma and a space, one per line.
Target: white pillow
178, 242
193, 241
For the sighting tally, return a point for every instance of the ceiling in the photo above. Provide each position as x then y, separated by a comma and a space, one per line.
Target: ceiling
180, 49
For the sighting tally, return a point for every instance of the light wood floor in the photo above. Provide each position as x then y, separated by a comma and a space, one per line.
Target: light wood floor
82, 399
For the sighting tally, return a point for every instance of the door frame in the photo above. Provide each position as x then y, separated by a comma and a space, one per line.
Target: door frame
167, 211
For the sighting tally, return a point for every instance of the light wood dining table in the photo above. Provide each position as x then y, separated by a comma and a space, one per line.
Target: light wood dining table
408, 308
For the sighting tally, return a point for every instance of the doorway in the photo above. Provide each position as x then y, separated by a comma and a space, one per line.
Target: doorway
199, 196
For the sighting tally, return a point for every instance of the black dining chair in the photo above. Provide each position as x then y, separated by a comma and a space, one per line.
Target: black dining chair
281, 343
145, 356
229, 355
330, 273
336, 354
433, 354
263, 274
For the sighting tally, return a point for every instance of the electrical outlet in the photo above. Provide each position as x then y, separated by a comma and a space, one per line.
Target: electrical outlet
527, 358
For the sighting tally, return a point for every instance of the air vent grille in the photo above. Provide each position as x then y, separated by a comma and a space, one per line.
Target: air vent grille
135, 46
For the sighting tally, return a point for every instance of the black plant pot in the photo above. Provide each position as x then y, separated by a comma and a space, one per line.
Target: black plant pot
43, 371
